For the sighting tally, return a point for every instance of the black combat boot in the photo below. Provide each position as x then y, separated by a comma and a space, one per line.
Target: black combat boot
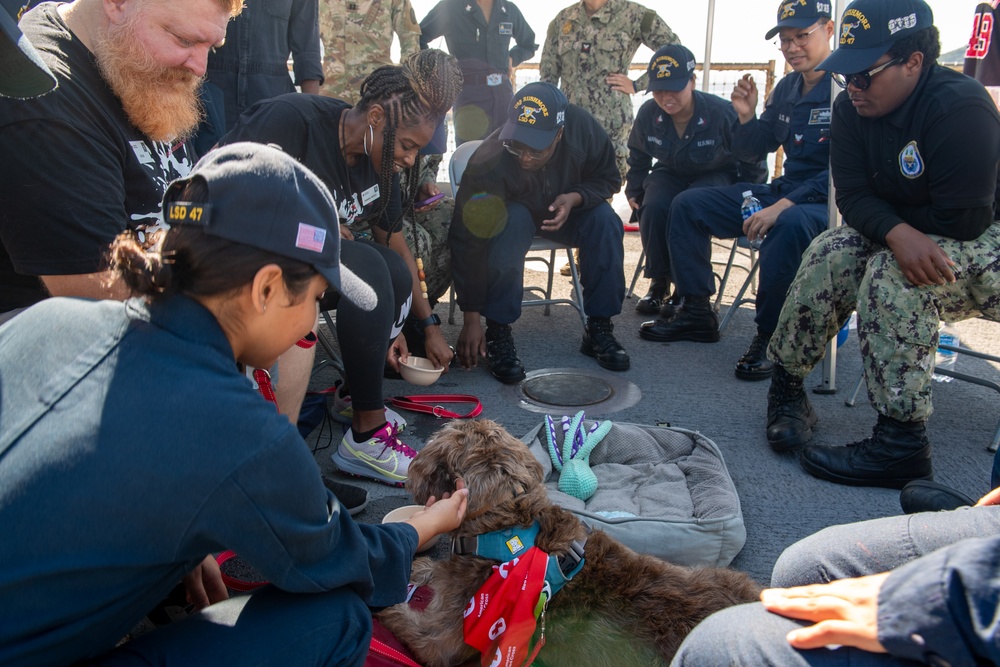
650, 304
502, 355
790, 415
695, 321
754, 364
599, 342
671, 306
896, 453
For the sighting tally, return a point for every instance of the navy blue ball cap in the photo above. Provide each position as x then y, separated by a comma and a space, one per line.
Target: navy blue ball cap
535, 114
670, 68
800, 14
260, 196
869, 28
22, 72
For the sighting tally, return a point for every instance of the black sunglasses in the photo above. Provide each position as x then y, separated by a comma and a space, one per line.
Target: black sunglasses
862, 80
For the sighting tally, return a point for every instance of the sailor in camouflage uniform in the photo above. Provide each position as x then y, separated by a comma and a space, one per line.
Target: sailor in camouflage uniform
914, 161
587, 53
356, 36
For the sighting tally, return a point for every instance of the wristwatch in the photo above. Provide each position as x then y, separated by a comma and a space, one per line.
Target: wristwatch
431, 321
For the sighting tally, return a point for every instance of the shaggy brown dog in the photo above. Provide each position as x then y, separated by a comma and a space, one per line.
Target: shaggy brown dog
623, 608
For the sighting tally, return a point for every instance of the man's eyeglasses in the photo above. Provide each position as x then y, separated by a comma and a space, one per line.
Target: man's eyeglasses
533, 156
862, 80
799, 40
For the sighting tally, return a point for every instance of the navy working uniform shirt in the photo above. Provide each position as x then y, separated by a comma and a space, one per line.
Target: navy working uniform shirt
481, 48
130, 448
253, 63
705, 148
583, 162
800, 124
912, 165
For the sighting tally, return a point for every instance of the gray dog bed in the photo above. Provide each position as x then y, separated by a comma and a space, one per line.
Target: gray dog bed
661, 491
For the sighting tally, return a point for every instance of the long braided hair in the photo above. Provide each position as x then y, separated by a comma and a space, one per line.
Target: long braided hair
420, 89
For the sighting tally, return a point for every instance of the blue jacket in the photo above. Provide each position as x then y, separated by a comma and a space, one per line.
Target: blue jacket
130, 448
802, 126
943, 609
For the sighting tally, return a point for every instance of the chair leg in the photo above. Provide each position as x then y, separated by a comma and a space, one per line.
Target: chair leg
577, 288
640, 265
851, 400
739, 301
451, 304
725, 277
333, 354
552, 270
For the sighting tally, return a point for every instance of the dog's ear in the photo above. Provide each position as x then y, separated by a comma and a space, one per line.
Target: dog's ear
434, 470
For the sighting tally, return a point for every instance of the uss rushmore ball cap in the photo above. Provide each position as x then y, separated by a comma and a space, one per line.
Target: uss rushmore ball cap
869, 28
670, 68
260, 196
535, 114
800, 14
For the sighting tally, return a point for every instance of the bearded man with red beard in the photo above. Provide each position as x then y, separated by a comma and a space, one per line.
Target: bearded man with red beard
93, 158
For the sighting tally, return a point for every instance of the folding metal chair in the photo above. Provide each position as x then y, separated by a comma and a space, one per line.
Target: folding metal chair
459, 161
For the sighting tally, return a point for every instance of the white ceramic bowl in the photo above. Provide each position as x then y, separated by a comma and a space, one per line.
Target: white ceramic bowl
402, 514
419, 371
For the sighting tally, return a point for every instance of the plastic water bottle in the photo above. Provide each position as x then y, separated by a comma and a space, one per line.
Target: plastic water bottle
945, 358
750, 206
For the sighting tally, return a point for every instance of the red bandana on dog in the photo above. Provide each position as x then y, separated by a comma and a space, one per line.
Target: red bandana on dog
500, 619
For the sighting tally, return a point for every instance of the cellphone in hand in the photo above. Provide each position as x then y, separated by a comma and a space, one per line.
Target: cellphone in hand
428, 201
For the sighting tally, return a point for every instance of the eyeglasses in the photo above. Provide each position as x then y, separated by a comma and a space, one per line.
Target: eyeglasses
800, 39
532, 156
862, 80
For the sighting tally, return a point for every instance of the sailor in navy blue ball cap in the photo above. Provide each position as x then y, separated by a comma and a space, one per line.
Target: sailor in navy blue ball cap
869, 28
22, 72
800, 14
535, 115
671, 68
260, 196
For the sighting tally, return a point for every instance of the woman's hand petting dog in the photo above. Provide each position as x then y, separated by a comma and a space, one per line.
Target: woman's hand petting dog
441, 516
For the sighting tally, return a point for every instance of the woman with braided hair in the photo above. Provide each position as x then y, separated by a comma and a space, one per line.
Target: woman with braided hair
359, 153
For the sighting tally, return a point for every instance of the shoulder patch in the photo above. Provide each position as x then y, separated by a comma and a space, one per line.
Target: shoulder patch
911, 164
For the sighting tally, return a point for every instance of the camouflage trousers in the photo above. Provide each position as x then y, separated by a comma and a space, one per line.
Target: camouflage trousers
842, 271
432, 231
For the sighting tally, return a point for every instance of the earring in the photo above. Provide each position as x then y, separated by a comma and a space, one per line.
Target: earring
369, 139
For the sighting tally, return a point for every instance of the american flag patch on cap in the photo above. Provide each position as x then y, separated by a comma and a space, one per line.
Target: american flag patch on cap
310, 238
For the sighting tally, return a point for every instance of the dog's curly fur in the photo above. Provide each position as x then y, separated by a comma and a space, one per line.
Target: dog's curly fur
623, 608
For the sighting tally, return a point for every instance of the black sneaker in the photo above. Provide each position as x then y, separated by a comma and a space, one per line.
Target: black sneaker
501, 355
926, 496
599, 342
754, 364
352, 498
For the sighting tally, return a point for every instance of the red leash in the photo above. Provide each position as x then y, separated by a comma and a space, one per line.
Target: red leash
429, 404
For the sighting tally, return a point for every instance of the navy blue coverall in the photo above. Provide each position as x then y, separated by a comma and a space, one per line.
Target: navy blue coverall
702, 158
483, 51
801, 124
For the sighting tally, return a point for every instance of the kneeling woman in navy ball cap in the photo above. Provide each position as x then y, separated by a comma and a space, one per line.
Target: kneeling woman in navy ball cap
132, 447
